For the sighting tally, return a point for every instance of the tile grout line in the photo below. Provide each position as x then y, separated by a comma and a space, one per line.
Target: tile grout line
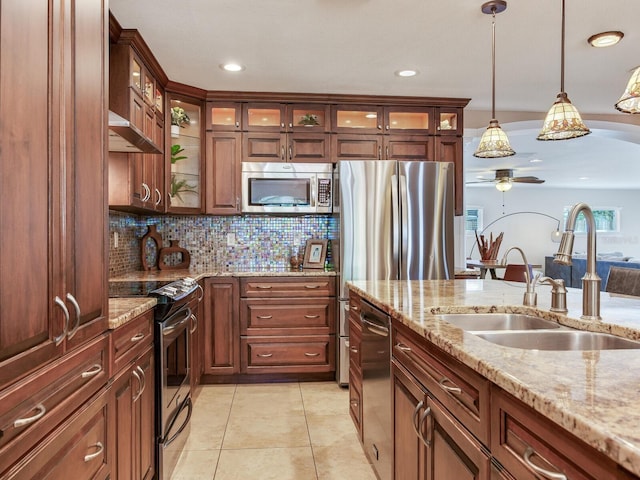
306, 422
226, 425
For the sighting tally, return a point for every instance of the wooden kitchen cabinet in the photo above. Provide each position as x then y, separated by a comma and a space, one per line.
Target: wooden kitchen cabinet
185, 167
223, 171
53, 139
219, 326
225, 116
82, 447
134, 92
449, 149
287, 325
430, 444
195, 337
355, 364
134, 406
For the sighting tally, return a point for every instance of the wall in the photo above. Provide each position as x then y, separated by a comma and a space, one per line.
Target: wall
532, 232
261, 241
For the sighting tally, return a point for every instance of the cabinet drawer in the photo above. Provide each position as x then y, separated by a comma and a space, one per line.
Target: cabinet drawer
131, 339
80, 448
355, 353
517, 428
36, 405
461, 390
288, 354
355, 303
298, 316
265, 287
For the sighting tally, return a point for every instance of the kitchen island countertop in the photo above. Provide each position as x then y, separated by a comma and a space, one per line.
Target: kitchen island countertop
592, 394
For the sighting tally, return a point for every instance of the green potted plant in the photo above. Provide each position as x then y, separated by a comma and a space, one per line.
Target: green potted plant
179, 119
309, 120
179, 186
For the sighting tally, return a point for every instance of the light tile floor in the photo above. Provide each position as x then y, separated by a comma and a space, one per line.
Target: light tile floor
290, 431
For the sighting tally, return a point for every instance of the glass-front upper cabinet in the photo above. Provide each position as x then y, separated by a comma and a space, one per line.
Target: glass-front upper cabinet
159, 102
185, 155
149, 87
308, 118
263, 117
225, 116
449, 121
410, 120
356, 119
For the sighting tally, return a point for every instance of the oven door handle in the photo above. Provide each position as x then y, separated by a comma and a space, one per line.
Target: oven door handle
188, 405
175, 322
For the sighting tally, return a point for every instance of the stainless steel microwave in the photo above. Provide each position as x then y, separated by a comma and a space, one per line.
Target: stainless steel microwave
287, 187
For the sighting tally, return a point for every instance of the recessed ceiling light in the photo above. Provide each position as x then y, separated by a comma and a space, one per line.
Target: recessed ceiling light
605, 39
406, 73
232, 67
583, 178
535, 160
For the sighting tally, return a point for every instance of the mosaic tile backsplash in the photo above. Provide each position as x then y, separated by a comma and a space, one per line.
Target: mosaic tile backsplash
260, 241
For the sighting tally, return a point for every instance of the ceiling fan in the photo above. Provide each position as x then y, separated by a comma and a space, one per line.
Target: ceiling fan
504, 179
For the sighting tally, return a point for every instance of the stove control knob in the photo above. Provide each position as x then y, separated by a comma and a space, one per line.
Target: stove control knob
188, 281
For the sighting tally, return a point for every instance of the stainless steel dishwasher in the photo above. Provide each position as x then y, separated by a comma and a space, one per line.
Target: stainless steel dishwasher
376, 389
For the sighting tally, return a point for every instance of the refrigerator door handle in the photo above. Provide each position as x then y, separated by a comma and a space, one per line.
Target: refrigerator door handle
404, 268
395, 221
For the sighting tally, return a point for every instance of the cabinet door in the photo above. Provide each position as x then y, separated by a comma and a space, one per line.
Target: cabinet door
225, 116
409, 404
29, 319
408, 120
356, 119
223, 172
309, 147
308, 118
448, 121
264, 147
263, 117
449, 149
452, 452
144, 408
196, 347
220, 326
356, 147
409, 147
86, 208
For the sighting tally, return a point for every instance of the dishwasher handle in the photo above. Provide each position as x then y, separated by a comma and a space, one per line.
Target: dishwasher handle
375, 327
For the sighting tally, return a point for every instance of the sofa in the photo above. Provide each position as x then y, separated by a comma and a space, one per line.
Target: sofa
572, 274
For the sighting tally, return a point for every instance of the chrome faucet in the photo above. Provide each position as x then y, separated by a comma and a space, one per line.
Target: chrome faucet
591, 280
530, 296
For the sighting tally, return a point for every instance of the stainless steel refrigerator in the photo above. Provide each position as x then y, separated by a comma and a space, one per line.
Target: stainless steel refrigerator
396, 222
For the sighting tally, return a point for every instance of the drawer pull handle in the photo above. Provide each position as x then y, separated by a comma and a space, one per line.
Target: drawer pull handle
454, 389
307, 354
354, 403
264, 287
137, 337
265, 317
414, 422
194, 322
425, 415
312, 286
312, 316
353, 307
99, 448
21, 422
58, 340
136, 374
545, 473
93, 371
265, 355
353, 349
402, 347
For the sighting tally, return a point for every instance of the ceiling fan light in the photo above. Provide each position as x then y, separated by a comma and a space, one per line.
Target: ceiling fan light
630, 100
504, 185
494, 143
563, 121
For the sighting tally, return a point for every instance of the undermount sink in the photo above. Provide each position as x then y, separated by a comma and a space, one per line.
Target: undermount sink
561, 340
497, 321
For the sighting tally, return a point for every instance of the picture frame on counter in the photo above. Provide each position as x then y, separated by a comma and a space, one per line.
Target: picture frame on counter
315, 253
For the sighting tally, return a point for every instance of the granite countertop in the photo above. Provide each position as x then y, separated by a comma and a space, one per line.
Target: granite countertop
592, 394
122, 310
200, 273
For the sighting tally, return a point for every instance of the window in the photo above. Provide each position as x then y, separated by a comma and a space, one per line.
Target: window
473, 219
607, 219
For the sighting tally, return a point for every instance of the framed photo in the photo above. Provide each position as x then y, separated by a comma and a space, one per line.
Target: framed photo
315, 253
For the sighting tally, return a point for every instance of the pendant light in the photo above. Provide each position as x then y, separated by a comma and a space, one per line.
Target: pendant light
630, 100
494, 142
563, 120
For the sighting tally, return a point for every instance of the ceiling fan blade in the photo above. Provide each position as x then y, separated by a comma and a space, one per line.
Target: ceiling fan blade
480, 181
527, 180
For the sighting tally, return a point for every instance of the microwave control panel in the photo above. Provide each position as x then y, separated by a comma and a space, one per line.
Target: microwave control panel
324, 192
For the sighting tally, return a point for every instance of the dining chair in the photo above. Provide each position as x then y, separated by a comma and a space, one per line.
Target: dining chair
625, 281
516, 272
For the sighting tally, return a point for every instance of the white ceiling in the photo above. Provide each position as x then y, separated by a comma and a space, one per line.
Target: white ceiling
355, 46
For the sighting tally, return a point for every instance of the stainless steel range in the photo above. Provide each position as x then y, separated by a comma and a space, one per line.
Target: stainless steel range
174, 320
